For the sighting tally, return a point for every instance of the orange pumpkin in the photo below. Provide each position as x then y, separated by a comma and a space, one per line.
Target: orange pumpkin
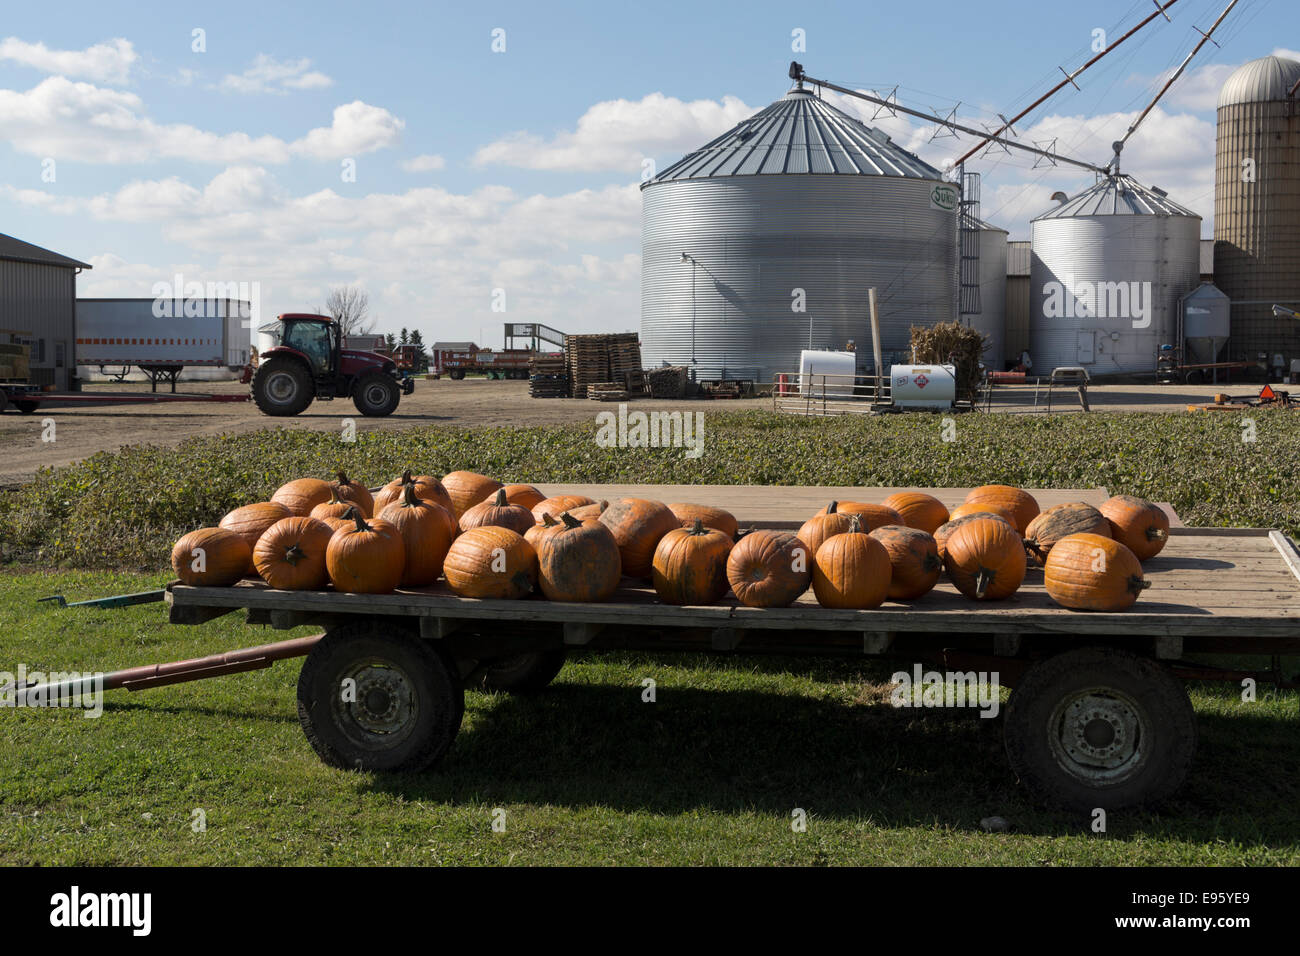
637, 524
499, 512
1015, 504
250, 521
870, 516
584, 512
1092, 572
336, 507
985, 559
535, 533
913, 558
716, 518
1138, 524
941, 535
211, 557
357, 494
978, 508
426, 530
690, 565
491, 562
918, 510
827, 523
367, 558
468, 488
290, 556
851, 570
577, 561
525, 495
302, 494
556, 505
1061, 520
426, 486
769, 569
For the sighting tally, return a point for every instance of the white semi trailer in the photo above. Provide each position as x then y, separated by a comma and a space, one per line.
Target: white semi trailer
162, 337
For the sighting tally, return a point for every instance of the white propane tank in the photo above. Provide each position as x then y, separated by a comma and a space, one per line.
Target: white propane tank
923, 386
840, 369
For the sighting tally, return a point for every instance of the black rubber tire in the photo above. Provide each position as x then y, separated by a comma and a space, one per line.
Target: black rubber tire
26, 407
523, 673
1196, 377
1038, 718
422, 681
376, 395
456, 374
278, 372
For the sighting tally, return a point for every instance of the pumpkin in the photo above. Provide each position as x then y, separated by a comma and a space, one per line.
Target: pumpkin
290, 556
537, 531
941, 535
976, 508
827, 523
690, 565
499, 512
1016, 505
1092, 572
716, 518
918, 510
491, 562
577, 561
638, 524
851, 570
584, 512
556, 505
870, 516
426, 486
985, 559
914, 561
336, 507
1138, 524
367, 558
468, 488
357, 494
211, 557
1061, 520
336, 523
525, 495
302, 494
427, 531
250, 521
769, 569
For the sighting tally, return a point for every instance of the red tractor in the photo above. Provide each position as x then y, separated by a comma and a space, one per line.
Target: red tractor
309, 362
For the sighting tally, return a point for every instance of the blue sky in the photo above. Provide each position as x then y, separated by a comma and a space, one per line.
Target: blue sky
478, 170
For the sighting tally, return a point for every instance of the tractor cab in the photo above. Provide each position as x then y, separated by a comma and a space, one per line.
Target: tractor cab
315, 337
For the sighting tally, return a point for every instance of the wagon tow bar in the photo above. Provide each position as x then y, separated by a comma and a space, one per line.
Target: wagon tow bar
116, 600
45, 694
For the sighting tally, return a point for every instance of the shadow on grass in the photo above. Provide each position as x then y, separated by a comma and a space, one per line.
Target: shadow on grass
582, 745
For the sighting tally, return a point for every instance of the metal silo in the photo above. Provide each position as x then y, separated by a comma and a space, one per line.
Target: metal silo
1257, 206
800, 205
991, 320
1107, 268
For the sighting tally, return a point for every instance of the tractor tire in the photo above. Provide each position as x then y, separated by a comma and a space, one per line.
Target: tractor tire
283, 387
523, 673
457, 374
26, 407
376, 395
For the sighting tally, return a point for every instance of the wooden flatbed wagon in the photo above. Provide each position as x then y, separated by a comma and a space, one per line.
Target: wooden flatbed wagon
1099, 715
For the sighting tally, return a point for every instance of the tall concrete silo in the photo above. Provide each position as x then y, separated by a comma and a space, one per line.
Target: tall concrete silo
767, 239
1107, 268
1257, 206
991, 320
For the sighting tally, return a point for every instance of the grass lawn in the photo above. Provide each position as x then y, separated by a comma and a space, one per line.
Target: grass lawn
585, 772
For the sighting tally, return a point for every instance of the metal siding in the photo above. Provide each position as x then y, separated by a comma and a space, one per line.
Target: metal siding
1017, 315
991, 320
758, 238
1161, 250
38, 298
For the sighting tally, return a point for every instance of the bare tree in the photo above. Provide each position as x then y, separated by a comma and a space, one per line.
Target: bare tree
350, 307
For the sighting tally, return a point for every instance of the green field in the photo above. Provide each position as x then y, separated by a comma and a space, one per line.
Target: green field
586, 772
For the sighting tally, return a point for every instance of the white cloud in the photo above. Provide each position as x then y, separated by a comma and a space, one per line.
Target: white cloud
620, 134
269, 75
426, 163
109, 62
81, 121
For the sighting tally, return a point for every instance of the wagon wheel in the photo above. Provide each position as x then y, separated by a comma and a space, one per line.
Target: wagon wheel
523, 673
1099, 727
376, 697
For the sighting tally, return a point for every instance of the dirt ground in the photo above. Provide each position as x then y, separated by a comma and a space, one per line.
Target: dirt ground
82, 430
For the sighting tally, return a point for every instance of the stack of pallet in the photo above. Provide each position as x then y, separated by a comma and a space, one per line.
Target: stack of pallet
547, 377
607, 392
669, 381
587, 360
625, 361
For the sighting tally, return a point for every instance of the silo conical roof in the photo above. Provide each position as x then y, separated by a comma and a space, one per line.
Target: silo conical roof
1117, 196
1260, 81
800, 133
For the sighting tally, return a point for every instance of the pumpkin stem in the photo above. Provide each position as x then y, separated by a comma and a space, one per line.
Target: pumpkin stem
548, 521
1156, 534
293, 554
983, 579
334, 496
569, 520
1136, 584
698, 527
355, 515
408, 495
855, 525
406, 477
601, 505
744, 531
833, 507
501, 501
344, 481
